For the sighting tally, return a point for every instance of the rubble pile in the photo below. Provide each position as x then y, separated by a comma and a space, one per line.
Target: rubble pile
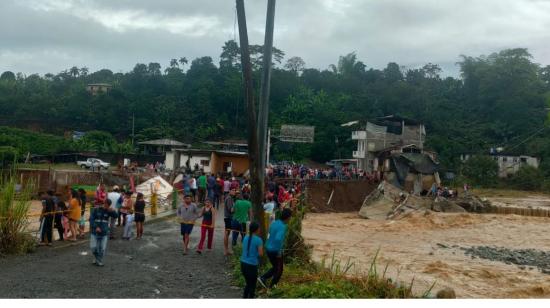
521, 257
390, 202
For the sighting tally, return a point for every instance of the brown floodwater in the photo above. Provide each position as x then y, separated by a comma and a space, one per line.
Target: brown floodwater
410, 248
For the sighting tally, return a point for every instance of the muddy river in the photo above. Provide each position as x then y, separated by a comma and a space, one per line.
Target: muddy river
427, 247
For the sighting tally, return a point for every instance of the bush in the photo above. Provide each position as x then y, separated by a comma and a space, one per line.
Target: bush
481, 170
14, 207
527, 178
8, 155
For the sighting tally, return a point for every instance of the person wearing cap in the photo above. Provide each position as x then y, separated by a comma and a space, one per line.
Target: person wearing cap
187, 213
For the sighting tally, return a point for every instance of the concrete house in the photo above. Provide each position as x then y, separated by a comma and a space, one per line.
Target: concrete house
96, 88
508, 164
224, 158
382, 133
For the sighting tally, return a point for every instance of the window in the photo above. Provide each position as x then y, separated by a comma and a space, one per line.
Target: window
205, 163
504, 159
515, 160
523, 159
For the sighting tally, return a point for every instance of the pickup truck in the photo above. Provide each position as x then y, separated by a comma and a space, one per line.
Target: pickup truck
94, 163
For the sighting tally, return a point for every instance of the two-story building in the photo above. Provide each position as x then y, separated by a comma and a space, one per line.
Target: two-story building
508, 164
382, 133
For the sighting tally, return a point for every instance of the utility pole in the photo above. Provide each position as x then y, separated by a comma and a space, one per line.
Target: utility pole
253, 149
263, 116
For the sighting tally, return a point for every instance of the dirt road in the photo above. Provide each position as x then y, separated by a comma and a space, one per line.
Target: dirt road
430, 248
153, 267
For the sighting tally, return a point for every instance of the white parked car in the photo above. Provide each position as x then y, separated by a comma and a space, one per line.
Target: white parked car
94, 163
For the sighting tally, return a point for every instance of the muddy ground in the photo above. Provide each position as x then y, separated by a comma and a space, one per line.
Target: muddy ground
431, 248
348, 196
153, 267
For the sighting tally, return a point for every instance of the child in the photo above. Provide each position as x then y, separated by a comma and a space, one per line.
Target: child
252, 251
64, 218
128, 226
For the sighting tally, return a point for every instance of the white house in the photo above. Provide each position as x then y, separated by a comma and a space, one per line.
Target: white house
509, 164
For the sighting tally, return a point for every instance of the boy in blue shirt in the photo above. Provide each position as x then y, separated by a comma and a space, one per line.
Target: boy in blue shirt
274, 249
252, 251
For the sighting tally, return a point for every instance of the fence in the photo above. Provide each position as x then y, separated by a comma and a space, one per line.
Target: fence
56, 180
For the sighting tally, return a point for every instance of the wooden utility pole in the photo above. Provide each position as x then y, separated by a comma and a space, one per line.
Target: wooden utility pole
253, 149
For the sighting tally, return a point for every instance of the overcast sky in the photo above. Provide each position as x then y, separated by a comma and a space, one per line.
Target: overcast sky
41, 36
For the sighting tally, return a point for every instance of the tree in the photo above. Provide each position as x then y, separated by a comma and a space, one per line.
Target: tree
230, 56
84, 71
528, 178
74, 71
481, 170
348, 65
7, 75
295, 65
174, 63
154, 69
183, 61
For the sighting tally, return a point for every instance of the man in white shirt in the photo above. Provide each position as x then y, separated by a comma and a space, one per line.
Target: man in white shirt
116, 202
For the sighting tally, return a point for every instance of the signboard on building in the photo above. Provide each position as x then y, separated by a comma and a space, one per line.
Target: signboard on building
297, 133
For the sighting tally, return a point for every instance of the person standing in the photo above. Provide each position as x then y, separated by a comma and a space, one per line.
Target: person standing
100, 196
226, 187
210, 186
252, 251
208, 214
274, 249
59, 223
139, 209
227, 219
82, 221
242, 211
218, 192
74, 213
269, 209
115, 198
202, 188
99, 224
193, 184
47, 217
187, 213
127, 206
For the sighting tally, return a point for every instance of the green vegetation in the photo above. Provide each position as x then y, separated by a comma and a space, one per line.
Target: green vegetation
481, 170
499, 100
14, 208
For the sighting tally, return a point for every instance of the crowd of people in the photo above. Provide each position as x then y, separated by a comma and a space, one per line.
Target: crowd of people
199, 199
302, 172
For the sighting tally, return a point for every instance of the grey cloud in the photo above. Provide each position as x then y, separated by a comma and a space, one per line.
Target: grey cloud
42, 36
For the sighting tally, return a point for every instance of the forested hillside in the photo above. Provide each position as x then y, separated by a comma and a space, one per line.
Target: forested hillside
499, 100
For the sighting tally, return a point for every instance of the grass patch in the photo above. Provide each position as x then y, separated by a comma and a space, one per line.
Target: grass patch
14, 208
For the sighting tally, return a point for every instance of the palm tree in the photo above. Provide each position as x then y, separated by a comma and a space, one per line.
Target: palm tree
74, 71
183, 61
84, 71
174, 63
